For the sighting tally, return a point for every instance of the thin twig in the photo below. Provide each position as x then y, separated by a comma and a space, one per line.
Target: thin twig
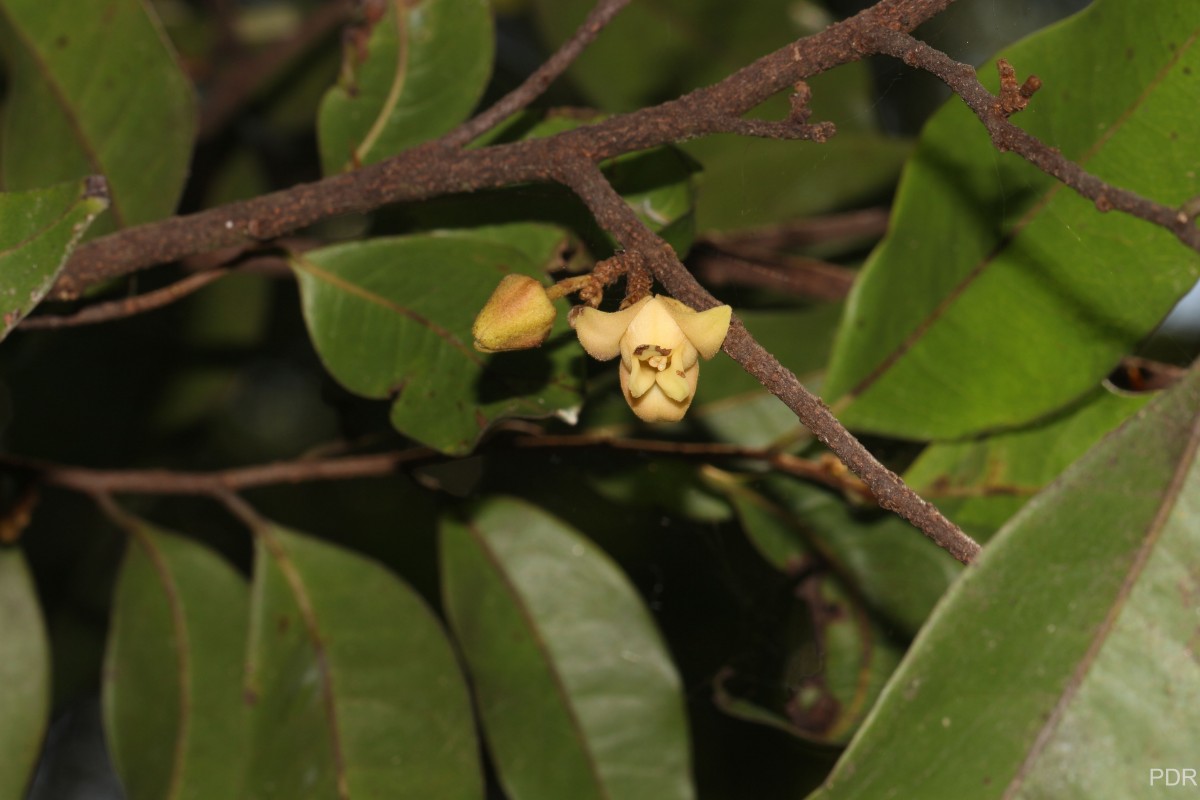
805, 277
994, 112
866, 223
126, 306
163, 481
436, 169
615, 216
537, 83
239, 508
826, 471
106, 482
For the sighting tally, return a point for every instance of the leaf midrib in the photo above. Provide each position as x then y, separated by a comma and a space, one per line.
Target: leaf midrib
1010, 236
1150, 538
170, 589
296, 584
338, 282
75, 124
394, 91
543, 648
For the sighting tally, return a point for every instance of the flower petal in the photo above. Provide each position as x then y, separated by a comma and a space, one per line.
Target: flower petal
704, 329
654, 326
675, 383
641, 377
685, 355
654, 405
600, 332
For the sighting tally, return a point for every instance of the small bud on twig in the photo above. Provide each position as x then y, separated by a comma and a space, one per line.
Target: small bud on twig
1014, 97
517, 316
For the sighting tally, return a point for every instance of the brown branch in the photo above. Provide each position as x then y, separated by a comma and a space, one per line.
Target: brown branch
994, 112
826, 471
615, 216
103, 482
162, 481
867, 223
805, 277
542, 77
439, 168
770, 129
126, 306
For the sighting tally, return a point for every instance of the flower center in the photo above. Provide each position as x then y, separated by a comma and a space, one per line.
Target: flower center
655, 357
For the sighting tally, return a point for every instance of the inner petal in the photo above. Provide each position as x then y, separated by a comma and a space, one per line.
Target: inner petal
640, 377
674, 384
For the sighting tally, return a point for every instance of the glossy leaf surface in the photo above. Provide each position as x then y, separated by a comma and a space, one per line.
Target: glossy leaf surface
576, 692
1000, 297
748, 183
1061, 665
392, 317
173, 709
355, 689
95, 92
24, 674
38, 230
980, 483
410, 76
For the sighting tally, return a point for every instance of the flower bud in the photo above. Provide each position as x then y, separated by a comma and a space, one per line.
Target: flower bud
517, 316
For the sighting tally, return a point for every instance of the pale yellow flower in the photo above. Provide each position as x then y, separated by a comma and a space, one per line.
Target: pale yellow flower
660, 341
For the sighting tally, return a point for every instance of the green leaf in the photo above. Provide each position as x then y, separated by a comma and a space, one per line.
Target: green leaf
24, 674
576, 692
981, 483
541, 244
173, 710
1062, 664
393, 317
414, 74
1000, 296
749, 183
38, 230
836, 659
896, 570
95, 93
657, 184
355, 689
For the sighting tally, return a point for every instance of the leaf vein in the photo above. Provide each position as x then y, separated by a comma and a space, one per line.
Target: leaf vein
394, 91
1150, 539
371, 297
1010, 236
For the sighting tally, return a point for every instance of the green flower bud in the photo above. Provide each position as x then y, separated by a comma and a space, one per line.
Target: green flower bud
517, 316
